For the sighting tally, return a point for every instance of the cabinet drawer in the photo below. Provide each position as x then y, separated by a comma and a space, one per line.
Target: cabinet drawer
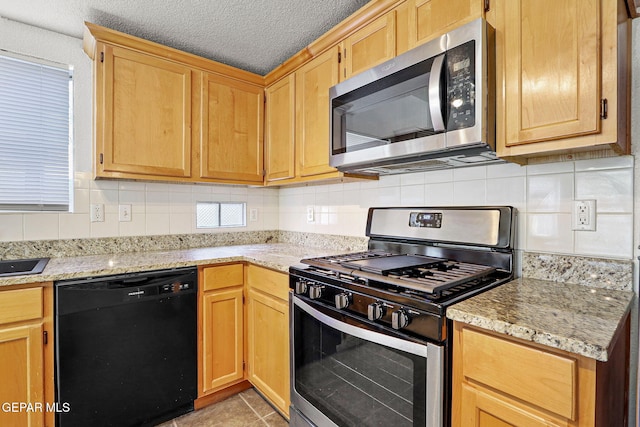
269, 281
21, 304
546, 380
222, 276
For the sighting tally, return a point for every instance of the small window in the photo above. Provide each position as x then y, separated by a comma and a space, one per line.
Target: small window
220, 214
35, 134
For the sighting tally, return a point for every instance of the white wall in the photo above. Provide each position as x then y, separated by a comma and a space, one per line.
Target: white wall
542, 194
157, 208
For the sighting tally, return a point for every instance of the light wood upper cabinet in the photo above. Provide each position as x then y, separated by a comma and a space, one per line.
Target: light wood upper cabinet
143, 122
280, 130
164, 114
26, 361
313, 81
372, 45
562, 74
231, 144
431, 18
221, 327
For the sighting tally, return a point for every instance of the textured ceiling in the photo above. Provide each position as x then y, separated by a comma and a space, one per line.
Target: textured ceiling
255, 35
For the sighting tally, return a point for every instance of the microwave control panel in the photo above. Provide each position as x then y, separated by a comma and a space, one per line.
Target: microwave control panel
461, 88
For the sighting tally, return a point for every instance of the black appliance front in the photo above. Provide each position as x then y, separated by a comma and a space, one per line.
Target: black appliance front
126, 348
349, 373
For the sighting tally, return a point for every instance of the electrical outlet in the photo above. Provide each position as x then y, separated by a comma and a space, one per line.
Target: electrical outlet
310, 214
97, 212
584, 215
124, 213
253, 214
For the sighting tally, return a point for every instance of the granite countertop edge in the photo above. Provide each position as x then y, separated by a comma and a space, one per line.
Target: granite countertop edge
570, 317
575, 318
276, 256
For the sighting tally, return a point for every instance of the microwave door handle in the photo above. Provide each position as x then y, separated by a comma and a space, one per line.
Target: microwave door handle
435, 102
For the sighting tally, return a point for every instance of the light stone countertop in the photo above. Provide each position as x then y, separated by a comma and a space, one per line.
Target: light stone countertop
277, 256
575, 318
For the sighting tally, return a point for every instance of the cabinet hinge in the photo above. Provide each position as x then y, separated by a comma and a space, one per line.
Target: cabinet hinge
339, 57
487, 5
101, 56
244, 365
604, 108
101, 158
45, 337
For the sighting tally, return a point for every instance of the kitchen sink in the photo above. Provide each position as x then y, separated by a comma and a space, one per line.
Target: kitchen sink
16, 267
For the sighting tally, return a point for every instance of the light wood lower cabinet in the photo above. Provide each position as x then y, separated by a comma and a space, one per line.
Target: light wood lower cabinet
26, 359
243, 338
221, 327
500, 381
268, 334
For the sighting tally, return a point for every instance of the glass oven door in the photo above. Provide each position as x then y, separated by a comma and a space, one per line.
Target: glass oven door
349, 373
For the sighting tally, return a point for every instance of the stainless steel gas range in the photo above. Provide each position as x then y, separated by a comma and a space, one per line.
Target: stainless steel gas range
370, 342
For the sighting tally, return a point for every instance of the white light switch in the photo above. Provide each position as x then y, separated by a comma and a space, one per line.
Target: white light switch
124, 213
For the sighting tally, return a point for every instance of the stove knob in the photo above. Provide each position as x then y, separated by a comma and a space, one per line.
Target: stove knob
315, 291
342, 300
399, 319
375, 311
301, 287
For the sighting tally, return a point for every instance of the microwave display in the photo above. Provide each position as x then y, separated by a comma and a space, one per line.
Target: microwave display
461, 87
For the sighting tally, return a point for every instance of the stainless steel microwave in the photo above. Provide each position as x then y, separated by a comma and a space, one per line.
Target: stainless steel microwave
432, 107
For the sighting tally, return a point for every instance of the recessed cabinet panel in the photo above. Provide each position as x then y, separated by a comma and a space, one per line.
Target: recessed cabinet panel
231, 145
313, 81
145, 125
432, 18
223, 332
22, 373
370, 46
268, 341
280, 130
552, 69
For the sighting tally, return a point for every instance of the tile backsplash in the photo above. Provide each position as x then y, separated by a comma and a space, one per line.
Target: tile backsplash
543, 195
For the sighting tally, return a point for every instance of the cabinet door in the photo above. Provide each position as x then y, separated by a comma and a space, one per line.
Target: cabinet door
268, 342
551, 69
280, 130
222, 338
432, 18
143, 117
313, 81
22, 373
231, 144
481, 409
370, 46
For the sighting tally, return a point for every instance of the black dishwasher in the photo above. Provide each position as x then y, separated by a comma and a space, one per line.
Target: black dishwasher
126, 350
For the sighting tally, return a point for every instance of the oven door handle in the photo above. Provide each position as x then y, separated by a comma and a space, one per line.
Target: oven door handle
365, 334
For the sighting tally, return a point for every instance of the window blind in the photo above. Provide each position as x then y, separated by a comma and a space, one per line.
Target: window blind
35, 137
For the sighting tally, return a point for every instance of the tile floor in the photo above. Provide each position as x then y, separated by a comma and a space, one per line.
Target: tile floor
244, 409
